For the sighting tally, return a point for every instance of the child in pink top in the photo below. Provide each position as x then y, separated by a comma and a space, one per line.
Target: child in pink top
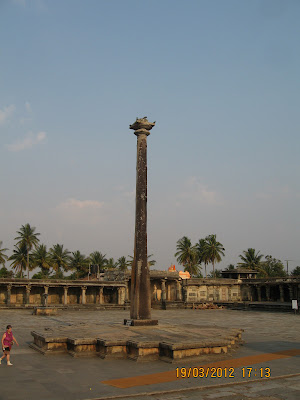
7, 341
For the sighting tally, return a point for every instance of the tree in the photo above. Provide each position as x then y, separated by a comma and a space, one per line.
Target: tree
41, 259
230, 267
123, 263
187, 256
111, 263
97, 258
19, 259
59, 259
296, 271
5, 273
213, 250
252, 260
30, 239
3, 257
216, 274
202, 257
79, 263
271, 268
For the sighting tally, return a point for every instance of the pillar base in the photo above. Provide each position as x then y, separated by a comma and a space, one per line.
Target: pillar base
140, 322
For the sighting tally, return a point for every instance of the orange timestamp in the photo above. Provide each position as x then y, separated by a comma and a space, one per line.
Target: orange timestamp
212, 372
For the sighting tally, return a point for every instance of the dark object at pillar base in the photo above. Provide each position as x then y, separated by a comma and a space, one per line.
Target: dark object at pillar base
140, 322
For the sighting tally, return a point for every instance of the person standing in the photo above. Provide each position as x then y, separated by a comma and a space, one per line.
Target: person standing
7, 341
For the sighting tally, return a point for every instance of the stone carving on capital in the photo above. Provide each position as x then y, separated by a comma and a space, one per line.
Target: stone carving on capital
142, 125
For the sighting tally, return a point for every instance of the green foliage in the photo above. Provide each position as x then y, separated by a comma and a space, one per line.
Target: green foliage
217, 274
187, 255
212, 250
27, 237
202, 257
252, 260
296, 271
19, 259
271, 268
111, 263
59, 259
5, 273
41, 259
123, 263
79, 263
230, 267
3, 257
97, 258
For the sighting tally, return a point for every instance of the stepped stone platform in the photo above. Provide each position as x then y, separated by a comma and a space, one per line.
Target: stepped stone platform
166, 342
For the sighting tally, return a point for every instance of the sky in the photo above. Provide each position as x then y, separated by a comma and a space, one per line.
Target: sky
220, 78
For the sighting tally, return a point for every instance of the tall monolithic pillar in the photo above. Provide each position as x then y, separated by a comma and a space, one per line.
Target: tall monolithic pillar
140, 306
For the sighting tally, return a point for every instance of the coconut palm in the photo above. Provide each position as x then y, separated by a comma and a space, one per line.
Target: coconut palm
79, 263
19, 259
213, 250
251, 260
59, 258
202, 257
187, 255
97, 258
28, 237
3, 257
123, 263
111, 263
41, 259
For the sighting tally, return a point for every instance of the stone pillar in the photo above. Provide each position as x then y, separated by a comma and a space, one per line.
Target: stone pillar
66, 295
291, 292
229, 293
185, 293
121, 295
178, 291
258, 293
140, 306
163, 290
126, 292
268, 292
101, 299
281, 289
83, 294
8, 294
27, 296
45, 296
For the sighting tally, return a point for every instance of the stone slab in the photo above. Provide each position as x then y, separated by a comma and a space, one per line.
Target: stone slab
140, 322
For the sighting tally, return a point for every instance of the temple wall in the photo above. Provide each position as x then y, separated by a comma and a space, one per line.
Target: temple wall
164, 289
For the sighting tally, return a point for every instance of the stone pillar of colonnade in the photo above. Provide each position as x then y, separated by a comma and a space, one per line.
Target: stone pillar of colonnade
163, 290
178, 291
66, 295
258, 288
8, 295
83, 294
27, 294
281, 289
101, 299
291, 292
45, 296
268, 292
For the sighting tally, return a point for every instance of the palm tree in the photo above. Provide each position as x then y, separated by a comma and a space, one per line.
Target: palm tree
111, 263
213, 250
3, 257
29, 238
187, 255
59, 258
19, 259
41, 259
251, 260
230, 267
79, 263
123, 263
202, 257
97, 258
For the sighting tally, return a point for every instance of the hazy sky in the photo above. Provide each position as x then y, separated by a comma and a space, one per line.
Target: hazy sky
222, 80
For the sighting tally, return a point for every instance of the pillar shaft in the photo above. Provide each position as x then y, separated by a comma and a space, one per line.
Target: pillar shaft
140, 279
83, 294
8, 294
66, 295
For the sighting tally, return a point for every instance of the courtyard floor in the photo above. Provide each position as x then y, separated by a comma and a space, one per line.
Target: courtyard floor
272, 342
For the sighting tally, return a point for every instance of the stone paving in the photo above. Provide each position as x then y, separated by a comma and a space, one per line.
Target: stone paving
34, 376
